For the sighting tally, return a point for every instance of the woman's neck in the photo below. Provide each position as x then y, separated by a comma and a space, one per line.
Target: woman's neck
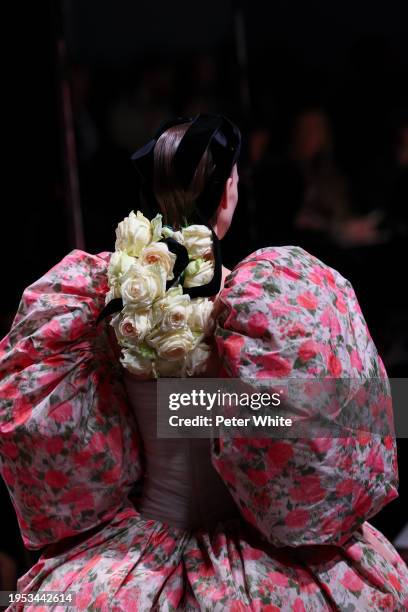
225, 272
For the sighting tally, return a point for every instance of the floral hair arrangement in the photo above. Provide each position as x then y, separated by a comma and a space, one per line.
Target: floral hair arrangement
161, 331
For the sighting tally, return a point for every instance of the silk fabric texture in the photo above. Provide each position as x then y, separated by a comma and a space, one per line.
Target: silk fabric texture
71, 453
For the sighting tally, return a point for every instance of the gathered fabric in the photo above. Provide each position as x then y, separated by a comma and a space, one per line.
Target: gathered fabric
71, 452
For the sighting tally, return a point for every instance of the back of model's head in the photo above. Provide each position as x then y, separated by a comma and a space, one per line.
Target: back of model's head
177, 203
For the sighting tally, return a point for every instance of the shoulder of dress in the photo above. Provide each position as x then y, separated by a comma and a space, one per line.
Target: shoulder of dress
291, 260
77, 283
274, 254
77, 266
78, 255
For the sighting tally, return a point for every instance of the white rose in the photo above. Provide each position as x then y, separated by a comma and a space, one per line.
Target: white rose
173, 297
198, 272
131, 324
172, 345
158, 253
175, 317
136, 363
119, 263
199, 315
197, 359
167, 232
198, 241
156, 225
141, 285
133, 233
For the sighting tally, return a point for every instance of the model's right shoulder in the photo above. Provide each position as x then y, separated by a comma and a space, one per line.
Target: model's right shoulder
79, 278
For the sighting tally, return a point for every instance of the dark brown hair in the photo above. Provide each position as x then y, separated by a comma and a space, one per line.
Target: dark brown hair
177, 204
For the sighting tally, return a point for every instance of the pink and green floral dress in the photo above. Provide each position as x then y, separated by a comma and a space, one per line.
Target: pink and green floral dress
70, 455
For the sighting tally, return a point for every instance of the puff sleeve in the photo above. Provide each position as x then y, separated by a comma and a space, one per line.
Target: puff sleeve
285, 314
68, 443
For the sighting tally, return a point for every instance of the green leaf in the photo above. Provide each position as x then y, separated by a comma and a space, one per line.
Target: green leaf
146, 351
298, 364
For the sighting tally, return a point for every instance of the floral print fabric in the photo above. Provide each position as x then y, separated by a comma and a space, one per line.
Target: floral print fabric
70, 454
68, 443
285, 314
134, 565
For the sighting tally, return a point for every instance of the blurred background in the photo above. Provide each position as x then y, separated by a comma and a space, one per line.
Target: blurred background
320, 92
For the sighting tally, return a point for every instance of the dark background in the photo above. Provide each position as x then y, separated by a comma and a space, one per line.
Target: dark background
323, 106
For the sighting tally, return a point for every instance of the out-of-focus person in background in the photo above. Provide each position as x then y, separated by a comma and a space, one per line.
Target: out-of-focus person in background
326, 210
383, 182
305, 192
325, 201
259, 145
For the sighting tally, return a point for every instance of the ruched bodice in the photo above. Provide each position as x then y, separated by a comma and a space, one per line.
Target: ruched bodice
181, 486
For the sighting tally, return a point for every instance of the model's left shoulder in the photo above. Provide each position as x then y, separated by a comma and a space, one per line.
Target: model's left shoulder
294, 260
285, 297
